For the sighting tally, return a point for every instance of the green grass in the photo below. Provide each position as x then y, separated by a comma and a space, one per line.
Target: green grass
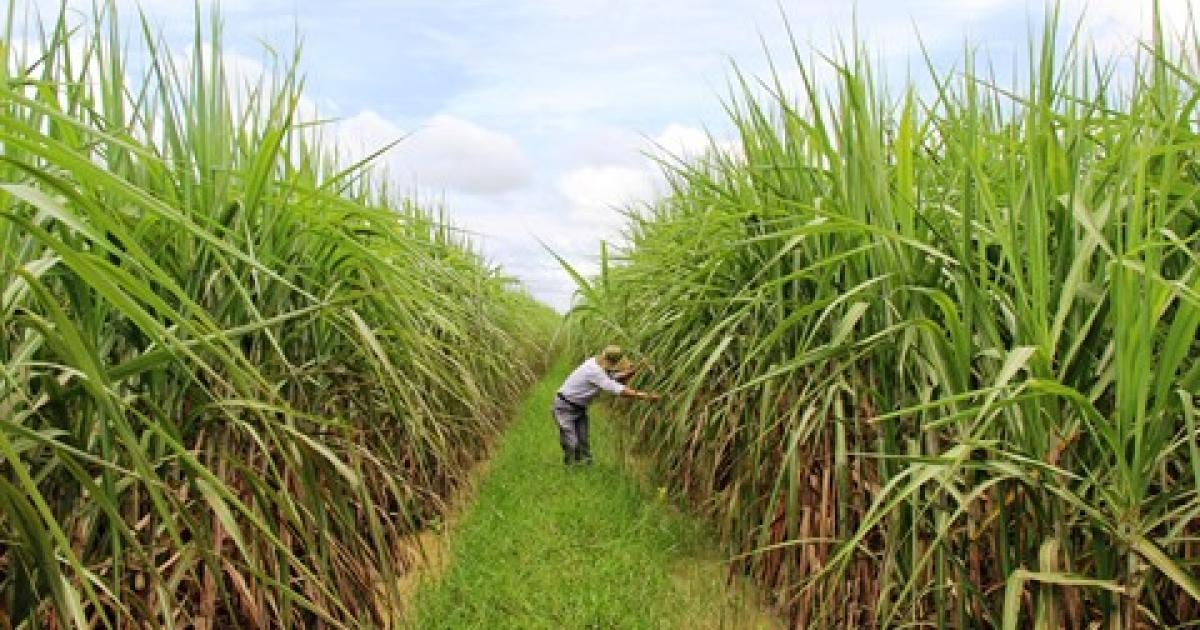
545, 546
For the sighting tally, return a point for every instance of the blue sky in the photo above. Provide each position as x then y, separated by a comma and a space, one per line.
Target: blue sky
530, 118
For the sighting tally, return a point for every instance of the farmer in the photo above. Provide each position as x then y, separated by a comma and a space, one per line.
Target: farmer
607, 372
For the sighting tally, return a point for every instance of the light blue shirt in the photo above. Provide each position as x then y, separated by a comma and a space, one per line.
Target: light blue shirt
587, 381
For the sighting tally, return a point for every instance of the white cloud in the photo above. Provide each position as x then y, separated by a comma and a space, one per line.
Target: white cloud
683, 142
597, 193
612, 170
1117, 25
622, 146
366, 132
446, 152
508, 229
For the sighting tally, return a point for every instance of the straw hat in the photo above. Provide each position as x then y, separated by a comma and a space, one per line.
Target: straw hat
611, 358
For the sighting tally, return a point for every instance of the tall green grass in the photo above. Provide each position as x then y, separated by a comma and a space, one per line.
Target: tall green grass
933, 353
233, 373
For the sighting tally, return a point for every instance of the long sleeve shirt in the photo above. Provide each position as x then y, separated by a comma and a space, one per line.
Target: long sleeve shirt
587, 381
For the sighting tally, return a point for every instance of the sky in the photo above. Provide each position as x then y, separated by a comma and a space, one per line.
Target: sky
535, 121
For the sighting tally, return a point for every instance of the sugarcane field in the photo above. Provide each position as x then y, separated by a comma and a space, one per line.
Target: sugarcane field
566, 314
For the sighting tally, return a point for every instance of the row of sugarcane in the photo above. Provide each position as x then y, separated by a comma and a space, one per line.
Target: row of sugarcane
236, 372
931, 350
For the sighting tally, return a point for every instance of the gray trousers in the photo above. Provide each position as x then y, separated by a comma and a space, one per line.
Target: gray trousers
572, 421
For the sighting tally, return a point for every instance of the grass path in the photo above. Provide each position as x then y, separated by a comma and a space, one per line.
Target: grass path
543, 546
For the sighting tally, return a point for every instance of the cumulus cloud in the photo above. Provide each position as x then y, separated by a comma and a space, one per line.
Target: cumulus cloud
366, 132
511, 229
596, 193
1116, 25
446, 152
624, 146
682, 141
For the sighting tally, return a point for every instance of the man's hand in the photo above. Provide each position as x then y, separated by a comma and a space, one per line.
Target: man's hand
630, 392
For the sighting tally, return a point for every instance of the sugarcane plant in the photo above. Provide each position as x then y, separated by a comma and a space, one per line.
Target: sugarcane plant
236, 371
932, 348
